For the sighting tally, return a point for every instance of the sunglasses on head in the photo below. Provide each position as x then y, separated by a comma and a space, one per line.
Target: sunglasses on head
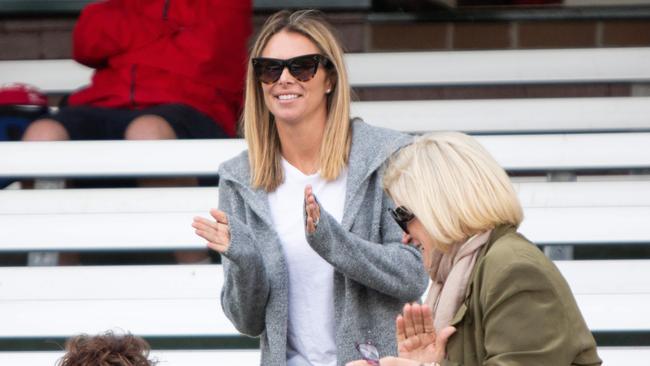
402, 216
303, 68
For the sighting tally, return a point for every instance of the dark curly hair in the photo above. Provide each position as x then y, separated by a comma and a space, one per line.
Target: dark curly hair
106, 349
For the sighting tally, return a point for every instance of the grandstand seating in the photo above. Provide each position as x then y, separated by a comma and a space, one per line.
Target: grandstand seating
181, 302
599, 145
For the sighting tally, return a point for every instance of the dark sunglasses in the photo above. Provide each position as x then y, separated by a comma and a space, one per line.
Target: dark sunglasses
402, 216
303, 68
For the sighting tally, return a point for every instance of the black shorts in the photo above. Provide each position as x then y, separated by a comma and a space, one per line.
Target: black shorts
100, 123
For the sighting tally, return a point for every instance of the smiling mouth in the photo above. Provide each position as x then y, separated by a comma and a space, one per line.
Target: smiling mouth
287, 96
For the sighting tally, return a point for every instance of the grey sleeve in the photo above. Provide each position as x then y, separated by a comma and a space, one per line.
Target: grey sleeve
389, 267
245, 289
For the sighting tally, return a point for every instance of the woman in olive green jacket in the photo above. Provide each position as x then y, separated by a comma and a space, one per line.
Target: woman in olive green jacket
494, 299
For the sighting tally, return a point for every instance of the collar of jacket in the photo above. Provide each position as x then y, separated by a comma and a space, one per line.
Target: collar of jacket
496, 234
371, 146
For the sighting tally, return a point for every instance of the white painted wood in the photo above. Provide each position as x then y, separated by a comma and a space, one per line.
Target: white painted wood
104, 231
524, 115
160, 218
137, 282
51, 76
202, 157
165, 231
116, 158
599, 277
108, 200
601, 193
604, 193
177, 300
624, 356
497, 67
174, 300
606, 287
165, 357
586, 225
611, 356
569, 151
414, 68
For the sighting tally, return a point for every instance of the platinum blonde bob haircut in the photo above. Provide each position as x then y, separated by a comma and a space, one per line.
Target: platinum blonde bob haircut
453, 186
258, 123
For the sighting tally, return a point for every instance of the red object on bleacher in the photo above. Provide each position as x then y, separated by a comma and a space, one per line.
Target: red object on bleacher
22, 94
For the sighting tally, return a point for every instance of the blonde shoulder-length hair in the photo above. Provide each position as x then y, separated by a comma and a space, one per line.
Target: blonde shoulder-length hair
453, 186
258, 123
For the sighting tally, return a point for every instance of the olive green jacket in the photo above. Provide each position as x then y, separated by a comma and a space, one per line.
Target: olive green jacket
518, 310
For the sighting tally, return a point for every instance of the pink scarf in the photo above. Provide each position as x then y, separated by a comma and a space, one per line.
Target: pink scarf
450, 274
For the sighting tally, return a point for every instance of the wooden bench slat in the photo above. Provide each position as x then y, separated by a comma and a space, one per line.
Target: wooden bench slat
124, 231
624, 356
498, 67
414, 68
200, 199
135, 299
152, 317
136, 282
606, 276
165, 357
524, 115
179, 157
159, 219
108, 200
586, 225
607, 193
170, 231
612, 356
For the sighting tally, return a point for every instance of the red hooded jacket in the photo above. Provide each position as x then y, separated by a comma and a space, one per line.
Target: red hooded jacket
150, 52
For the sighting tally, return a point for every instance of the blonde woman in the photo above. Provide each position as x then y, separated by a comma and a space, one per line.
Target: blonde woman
312, 259
508, 303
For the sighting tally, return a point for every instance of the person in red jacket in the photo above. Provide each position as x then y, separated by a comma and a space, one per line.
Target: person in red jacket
164, 69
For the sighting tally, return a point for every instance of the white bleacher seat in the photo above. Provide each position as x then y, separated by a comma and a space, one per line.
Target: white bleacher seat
611, 356
606, 287
165, 300
160, 218
202, 157
414, 68
499, 67
503, 116
624, 356
165, 358
125, 298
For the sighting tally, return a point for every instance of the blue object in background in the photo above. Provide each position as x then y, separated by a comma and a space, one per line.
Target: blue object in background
13, 123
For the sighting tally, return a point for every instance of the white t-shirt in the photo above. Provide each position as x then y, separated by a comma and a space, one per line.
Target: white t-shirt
310, 336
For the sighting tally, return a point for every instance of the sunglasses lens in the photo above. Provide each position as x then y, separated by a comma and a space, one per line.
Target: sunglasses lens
369, 353
303, 68
267, 71
402, 216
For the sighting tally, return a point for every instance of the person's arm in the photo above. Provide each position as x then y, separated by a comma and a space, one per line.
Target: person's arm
525, 321
246, 286
390, 267
109, 28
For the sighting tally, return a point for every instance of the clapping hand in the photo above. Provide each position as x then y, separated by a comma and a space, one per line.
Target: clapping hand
416, 336
312, 209
216, 232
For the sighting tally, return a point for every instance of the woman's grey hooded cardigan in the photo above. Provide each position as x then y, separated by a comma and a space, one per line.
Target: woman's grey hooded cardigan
374, 274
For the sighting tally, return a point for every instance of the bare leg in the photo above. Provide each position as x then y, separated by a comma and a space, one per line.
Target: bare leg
45, 130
